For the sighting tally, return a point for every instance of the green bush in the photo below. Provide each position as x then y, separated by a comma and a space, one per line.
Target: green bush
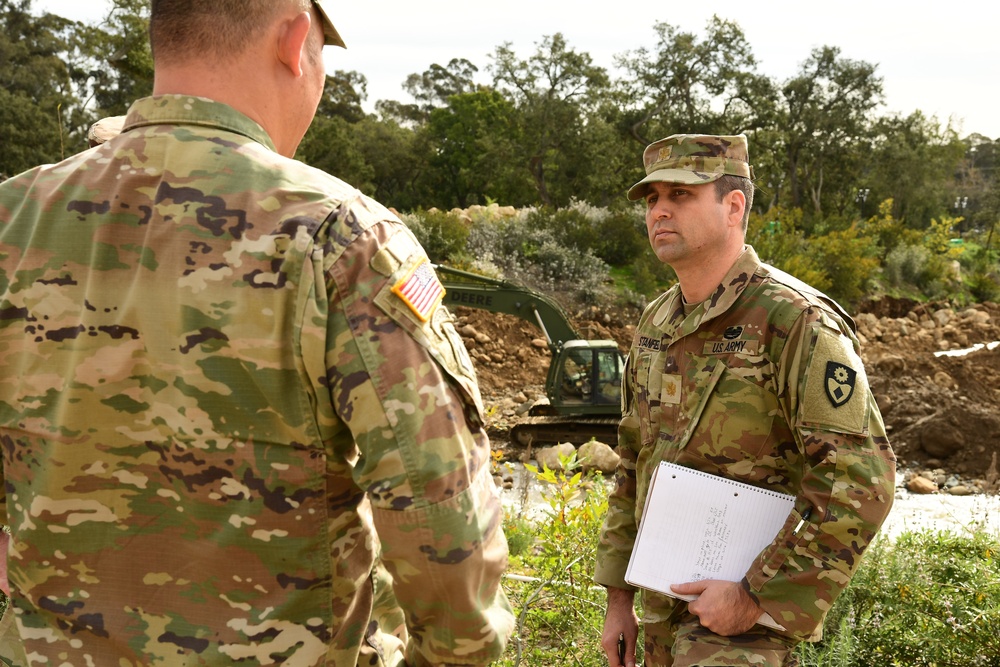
530, 253
560, 611
917, 266
849, 259
778, 239
984, 286
928, 599
443, 235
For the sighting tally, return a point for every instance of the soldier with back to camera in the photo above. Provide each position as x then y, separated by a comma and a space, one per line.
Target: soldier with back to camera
237, 425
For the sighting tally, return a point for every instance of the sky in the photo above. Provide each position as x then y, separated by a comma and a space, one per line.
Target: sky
940, 58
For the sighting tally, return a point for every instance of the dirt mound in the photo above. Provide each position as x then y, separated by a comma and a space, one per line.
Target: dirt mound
940, 410
936, 377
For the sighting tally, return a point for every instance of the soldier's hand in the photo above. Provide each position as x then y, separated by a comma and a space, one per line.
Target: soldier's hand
620, 621
722, 606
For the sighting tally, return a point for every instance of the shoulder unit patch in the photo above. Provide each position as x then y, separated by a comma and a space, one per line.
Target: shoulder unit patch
839, 383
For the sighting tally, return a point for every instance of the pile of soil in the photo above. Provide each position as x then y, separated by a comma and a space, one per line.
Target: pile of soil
940, 410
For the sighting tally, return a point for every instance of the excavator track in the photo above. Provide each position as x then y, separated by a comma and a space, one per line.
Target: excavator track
553, 429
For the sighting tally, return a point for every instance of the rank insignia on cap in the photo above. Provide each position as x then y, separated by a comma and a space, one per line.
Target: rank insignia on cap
420, 290
839, 383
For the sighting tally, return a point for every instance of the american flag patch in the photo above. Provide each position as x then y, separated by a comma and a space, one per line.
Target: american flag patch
420, 290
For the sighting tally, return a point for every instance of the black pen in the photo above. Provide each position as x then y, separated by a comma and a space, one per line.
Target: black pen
621, 649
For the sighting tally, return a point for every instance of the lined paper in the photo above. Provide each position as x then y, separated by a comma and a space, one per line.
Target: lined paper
698, 526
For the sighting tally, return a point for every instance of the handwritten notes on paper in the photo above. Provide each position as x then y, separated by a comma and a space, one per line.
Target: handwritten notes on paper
714, 541
698, 526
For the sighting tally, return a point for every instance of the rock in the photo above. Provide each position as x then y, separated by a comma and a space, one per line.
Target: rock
891, 364
540, 343
468, 331
548, 457
940, 438
920, 484
482, 338
596, 455
960, 490
943, 316
944, 380
978, 316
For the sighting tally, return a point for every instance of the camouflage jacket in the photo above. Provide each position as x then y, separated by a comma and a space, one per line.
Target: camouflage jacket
235, 420
761, 383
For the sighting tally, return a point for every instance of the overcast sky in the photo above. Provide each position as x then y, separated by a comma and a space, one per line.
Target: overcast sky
940, 58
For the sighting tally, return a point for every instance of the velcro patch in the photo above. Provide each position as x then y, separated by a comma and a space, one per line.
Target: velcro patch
420, 290
836, 387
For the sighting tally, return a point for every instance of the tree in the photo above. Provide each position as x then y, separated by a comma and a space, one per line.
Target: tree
431, 90
343, 95
913, 162
553, 92
694, 85
472, 148
39, 112
116, 63
825, 119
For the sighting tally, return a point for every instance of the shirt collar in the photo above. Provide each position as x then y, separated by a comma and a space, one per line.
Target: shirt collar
190, 110
671, 317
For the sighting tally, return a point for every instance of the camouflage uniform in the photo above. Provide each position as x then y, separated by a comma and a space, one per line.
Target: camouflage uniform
761, 383
235, 421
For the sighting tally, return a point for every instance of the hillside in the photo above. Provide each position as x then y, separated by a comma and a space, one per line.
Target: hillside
940, 410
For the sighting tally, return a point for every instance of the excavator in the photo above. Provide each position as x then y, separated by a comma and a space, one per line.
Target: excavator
583, 383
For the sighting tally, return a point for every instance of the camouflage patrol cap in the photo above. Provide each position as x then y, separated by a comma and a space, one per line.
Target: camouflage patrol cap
104, 129
329, 32
692, 159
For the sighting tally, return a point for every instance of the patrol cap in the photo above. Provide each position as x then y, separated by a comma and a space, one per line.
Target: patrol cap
105, 129
331, 34
692, 159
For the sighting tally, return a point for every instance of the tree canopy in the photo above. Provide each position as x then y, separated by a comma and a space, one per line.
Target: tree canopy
543, 128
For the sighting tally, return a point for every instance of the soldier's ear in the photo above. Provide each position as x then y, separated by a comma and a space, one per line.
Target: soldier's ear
735, 203
293, 39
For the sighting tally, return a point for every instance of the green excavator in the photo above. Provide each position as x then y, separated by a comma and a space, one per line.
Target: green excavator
583, 383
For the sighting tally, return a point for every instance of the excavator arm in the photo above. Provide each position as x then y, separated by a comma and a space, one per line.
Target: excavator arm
500, 296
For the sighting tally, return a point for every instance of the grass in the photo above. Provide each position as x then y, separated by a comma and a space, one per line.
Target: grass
924, 599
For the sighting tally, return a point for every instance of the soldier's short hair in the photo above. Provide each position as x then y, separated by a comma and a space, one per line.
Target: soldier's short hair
727, 183
180, 30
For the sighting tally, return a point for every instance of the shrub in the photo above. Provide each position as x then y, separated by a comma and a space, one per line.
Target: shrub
848, 259
530, 252
778, 239
929, 598
918, 267
443, 235
560, 611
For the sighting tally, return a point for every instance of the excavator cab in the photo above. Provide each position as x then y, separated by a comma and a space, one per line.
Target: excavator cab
587, 373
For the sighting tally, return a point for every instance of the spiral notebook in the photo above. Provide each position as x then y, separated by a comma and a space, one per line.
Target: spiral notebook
699, 526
